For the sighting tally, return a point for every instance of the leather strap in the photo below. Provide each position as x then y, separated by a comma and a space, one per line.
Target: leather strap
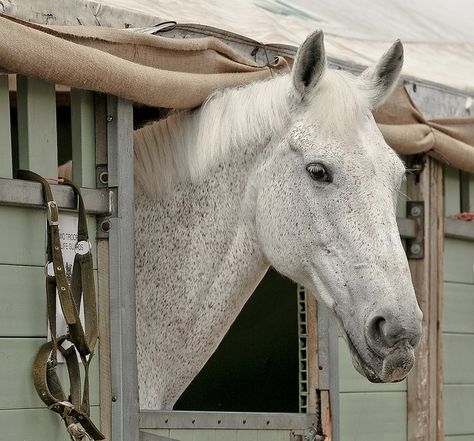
82, 286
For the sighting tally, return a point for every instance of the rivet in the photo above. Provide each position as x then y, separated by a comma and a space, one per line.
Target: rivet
114, 398
58, 268
110, 118
63, 288
56, 248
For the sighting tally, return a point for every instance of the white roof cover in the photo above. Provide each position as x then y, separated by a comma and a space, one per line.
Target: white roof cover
438, 35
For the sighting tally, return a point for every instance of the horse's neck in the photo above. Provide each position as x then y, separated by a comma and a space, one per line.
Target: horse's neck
198, 261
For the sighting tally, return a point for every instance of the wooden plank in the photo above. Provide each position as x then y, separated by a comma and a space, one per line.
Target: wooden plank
451, 191
247, 435
37, 137
181, 434
458, 308
83, 137
104, 333
459, 359
23, 236
373, 416
23, 300
458, 408
204, 435
226, 435
458, 264
18, 392
35, 425
5, 131
423, 393
460, 438
351, 381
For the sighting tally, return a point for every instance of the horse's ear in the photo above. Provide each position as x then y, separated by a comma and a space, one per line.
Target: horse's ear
310, 63
381, 79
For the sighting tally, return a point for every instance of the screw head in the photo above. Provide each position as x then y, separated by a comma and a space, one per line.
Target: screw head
114, 398
105, 226
415, 211
415, 248
110, 118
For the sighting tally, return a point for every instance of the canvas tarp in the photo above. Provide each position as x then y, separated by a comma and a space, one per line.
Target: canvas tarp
180, 74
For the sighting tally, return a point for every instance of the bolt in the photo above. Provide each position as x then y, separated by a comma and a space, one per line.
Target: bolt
114, 398
105, 226
415, 248
110, 118
104, 177
415, 211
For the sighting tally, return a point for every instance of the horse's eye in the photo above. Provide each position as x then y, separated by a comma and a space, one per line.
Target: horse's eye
319, 172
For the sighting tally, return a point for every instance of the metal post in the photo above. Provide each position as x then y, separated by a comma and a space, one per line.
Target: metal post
125, 418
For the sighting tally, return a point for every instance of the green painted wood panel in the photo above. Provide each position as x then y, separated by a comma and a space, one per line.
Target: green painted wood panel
351, 381
222, 434
37, 135
459, 358
23, 236
373, 416
458, 312
459, 261
35, 425
181, 434
23, 299
247, 435
458, 409
18, 392
83, 137
452, 201
402, 200
204, 435
5, 131
459, 438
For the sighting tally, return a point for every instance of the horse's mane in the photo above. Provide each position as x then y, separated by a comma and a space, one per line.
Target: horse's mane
186, 144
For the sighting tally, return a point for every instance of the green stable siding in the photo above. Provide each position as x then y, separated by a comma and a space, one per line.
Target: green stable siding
23, 316
458, 324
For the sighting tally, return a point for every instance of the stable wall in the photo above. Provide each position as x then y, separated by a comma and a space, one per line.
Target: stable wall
458, 322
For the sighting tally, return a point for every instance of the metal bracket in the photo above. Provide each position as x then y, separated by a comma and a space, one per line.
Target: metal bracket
309, 434
416, 246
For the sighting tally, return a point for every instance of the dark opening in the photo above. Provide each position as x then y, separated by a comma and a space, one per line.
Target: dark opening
255, 368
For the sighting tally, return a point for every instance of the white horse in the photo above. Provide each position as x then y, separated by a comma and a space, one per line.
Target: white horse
290, 172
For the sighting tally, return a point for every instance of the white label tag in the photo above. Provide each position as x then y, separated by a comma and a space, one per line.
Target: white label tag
68, 239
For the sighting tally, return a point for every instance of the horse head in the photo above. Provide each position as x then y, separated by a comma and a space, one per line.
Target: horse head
325, 210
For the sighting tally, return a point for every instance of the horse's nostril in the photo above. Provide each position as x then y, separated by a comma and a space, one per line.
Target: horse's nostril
376, 331
383, 331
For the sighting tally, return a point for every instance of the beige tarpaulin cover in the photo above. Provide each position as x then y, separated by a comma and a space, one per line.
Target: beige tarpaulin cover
172, 73
450, 140
156, 71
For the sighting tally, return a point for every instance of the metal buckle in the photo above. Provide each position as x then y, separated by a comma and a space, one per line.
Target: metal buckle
83, 247
53, 213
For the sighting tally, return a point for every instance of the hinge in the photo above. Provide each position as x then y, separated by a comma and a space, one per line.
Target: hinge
416, 246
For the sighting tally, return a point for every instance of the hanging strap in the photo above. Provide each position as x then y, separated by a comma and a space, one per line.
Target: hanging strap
74, 411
